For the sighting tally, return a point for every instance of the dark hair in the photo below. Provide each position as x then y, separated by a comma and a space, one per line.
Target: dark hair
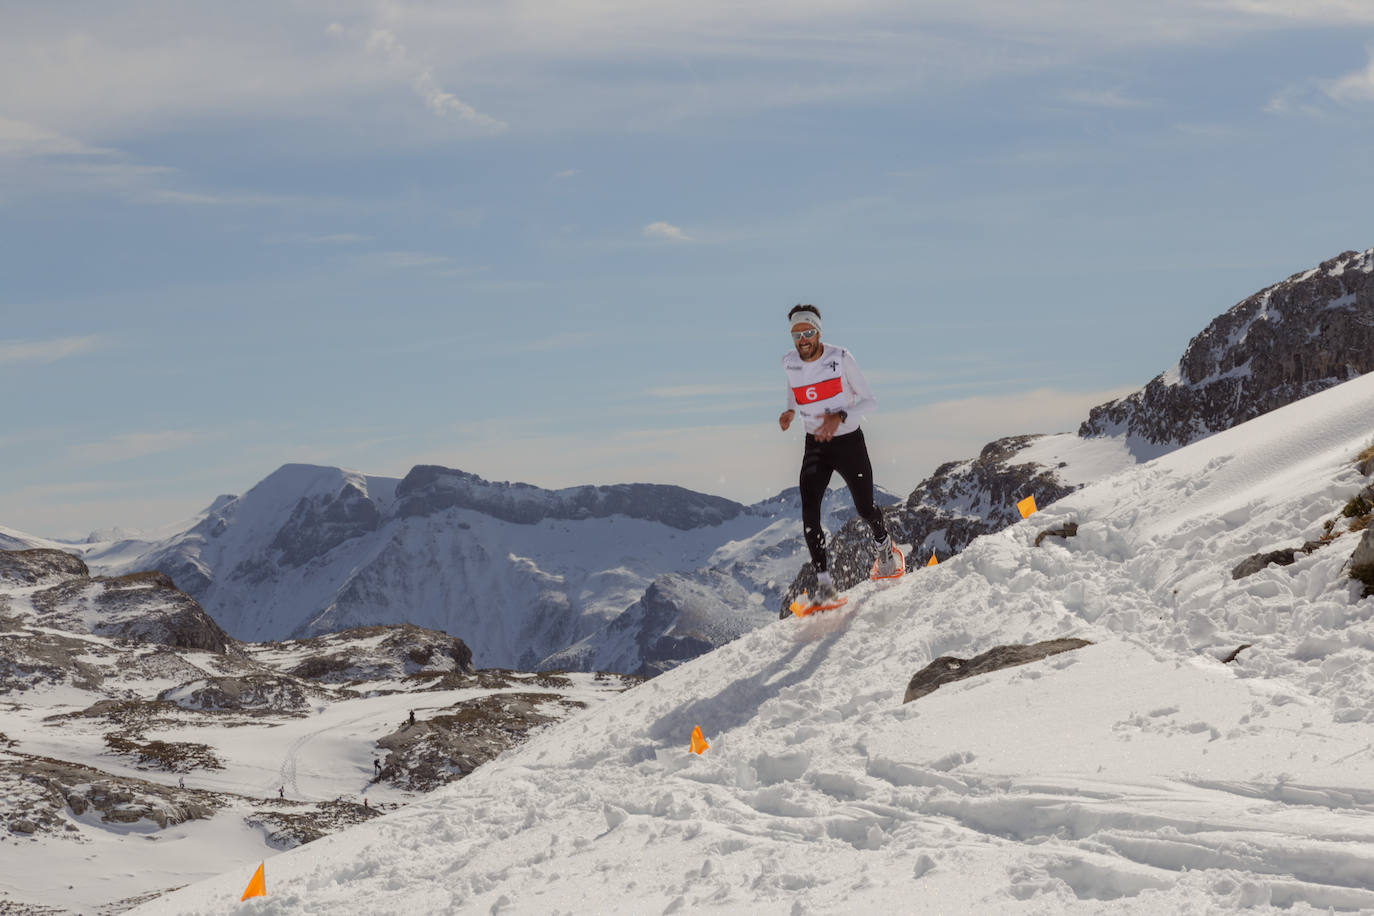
804, 308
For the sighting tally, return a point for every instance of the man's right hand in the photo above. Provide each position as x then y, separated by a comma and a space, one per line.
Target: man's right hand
786, 419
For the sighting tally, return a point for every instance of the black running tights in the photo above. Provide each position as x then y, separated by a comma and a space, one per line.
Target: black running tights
847, 454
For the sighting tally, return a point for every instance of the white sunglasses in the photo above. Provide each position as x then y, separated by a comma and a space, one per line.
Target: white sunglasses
807, 334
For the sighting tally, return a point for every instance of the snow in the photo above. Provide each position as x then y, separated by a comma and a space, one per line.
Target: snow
1138, 775
1084, 460
115, 864
323, 756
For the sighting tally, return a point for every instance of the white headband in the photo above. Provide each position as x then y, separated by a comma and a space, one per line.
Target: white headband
805, 316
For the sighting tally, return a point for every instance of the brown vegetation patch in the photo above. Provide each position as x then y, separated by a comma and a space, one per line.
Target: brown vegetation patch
132, 714
554, 680
172, 756
323, 666
1365, 460
137, 579
1358, 505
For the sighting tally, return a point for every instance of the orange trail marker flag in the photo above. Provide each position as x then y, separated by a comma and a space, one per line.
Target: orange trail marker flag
932, 561
258, 886
698, 742
1027, 506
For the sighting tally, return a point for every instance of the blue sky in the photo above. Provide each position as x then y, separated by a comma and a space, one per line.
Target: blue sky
557, 242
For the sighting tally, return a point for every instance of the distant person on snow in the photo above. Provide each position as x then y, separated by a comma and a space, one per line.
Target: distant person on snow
825, 386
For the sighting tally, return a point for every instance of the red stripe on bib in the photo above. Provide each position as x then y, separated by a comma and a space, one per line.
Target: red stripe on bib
810, 394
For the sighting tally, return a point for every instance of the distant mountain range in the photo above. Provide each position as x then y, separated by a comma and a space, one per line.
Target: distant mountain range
631, 578
637, 578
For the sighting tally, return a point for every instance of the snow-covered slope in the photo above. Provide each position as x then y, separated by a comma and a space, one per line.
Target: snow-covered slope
1138, 775
10, 539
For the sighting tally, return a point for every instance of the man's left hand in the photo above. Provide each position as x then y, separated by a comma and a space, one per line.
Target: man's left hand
828, 426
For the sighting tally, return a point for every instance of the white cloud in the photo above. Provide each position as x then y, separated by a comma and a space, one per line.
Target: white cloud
567, 173
666, 231
46, 351
568, 65
426, 85
1313, 97
1354, 87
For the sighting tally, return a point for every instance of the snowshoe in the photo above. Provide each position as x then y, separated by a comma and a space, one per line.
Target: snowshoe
890, 566
804, 607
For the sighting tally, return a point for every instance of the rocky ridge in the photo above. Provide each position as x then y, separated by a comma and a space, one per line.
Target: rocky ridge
1295, 338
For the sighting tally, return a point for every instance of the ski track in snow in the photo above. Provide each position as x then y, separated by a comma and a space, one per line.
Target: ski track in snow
1138, 775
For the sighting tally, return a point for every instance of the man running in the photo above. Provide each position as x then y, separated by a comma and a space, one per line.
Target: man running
825, 386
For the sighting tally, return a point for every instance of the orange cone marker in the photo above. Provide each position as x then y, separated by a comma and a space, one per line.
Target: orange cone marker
698, 742
258, 886
1027, 506
932, 561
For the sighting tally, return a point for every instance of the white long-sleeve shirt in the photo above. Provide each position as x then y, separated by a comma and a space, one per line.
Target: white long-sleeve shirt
825, 385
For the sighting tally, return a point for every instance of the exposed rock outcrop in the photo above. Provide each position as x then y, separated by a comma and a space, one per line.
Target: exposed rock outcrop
38, 789
1064, 531
144, 607
946, 669
41, 566
439, 749
322, 522
1283, 557
375, 653
268, 693
1362, 561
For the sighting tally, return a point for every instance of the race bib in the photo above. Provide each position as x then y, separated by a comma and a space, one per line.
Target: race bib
810, 394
